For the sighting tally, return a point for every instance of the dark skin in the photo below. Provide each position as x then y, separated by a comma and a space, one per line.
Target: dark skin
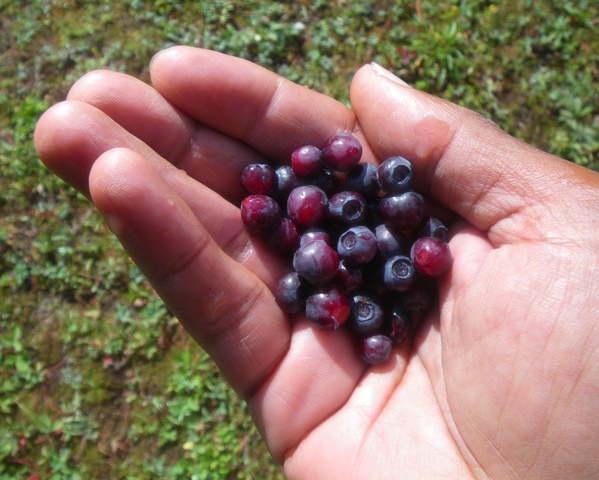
502, 380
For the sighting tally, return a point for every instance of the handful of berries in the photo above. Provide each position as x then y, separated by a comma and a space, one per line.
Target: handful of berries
362, 249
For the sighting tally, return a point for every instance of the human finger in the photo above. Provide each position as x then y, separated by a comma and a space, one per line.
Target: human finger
292, 375
72, 135
248, 102
466, 162
222, 304
204, 154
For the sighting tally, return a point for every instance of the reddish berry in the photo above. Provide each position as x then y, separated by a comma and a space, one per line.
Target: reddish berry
376, 349
342, 152
431, 256
327, 308
258, 179
307, 206
316, 262
260, 214
284, 238
306, 160
404, 211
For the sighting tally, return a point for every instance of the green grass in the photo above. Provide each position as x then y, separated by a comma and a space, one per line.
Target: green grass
97, 379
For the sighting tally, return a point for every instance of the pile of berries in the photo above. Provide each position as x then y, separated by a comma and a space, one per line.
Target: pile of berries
362, 248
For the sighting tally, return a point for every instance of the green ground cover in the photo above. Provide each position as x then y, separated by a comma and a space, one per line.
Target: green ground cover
97, 379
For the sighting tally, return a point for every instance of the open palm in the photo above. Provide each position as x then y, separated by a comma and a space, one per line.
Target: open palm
502, 380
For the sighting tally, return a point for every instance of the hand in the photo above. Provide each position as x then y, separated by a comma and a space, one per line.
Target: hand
502, 380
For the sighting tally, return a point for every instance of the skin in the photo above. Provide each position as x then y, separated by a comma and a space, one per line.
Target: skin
502, 380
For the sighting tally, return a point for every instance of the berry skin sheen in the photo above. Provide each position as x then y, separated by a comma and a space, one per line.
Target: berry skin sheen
342, 152
327, 308
431, 256
260, 213
307, 206
316, 262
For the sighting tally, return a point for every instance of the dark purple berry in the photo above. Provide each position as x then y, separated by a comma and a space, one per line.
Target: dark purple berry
357, 245
260, 213
431, 256
399, 324
307, 206
342, 152
284, 238
286, 181
316, 262
395, 175
404, 211
375, 349
349, 277
363, 178
374, 217
258, 179
347, 208
390, 242
366, 316
326, 180
312, 234
327, 308
432, 227
399, 273
306, 160
290, 293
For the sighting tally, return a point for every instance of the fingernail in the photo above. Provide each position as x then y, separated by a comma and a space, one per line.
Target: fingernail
387, 74
153, 58
115, 223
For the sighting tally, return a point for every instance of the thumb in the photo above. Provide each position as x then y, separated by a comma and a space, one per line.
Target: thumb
461, 159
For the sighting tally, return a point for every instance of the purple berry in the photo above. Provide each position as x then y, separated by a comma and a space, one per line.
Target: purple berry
357, 245
342, 152
367, 315
375, 349
431, 256
395, 175
306, 160
349, 277
432, 227
290, 293
390, 242
286, 181
258, 179
312, 234
326, 180
284, 238
260, 213
363, 178
399, 324
404, 211
348, 208
307, 206
316, 262
327, 308
399, 273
